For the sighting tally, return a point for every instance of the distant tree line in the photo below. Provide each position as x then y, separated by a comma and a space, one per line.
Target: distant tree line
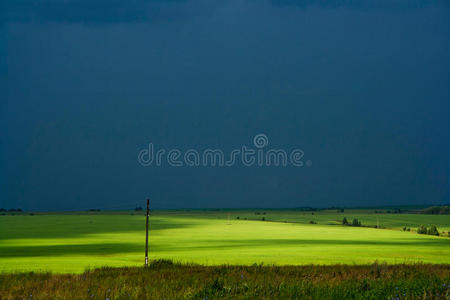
306, 208
430, 231
394, 211
11, 210
355, 222
437, 210
309, 208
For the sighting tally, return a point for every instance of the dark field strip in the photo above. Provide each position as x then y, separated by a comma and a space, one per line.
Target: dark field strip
165, 280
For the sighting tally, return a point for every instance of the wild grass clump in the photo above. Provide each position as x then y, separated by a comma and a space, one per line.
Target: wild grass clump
164, 279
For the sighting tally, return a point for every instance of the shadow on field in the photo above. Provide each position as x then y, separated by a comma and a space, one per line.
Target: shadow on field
116, 248
72, 226
80, 249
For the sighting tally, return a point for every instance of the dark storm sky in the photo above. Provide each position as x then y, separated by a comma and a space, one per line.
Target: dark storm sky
363, 87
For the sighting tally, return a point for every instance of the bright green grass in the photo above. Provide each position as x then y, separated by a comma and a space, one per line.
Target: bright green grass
328, 217
71, 243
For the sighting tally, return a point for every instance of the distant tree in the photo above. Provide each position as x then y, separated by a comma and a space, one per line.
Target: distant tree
237, 217
312, 222
344, 221
356, 223
138, 208
422, 230
263, 219
2, 210
404, 228
433, 230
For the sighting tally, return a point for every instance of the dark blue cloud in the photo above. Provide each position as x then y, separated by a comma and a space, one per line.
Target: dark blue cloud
95, 11
361, 86
366, 5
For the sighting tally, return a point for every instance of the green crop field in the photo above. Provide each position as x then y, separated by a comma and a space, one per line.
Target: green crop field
71, 243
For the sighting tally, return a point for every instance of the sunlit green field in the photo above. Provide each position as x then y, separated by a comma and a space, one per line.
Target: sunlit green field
72, 242
327, 217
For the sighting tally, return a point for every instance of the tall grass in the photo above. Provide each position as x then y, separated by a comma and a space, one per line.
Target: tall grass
166, 280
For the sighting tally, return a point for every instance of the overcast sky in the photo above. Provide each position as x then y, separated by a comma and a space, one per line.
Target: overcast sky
362, 87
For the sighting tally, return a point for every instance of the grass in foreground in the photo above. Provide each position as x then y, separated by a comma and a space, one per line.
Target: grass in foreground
165, 280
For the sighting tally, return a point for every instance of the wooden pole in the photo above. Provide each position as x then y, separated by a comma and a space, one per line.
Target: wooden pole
146, 234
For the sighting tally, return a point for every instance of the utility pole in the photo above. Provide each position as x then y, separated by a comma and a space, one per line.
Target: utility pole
146, 233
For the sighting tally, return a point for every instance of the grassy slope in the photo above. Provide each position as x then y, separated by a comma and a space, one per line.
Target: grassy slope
70, 243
